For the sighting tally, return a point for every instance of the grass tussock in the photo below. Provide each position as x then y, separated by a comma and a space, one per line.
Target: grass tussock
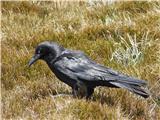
122, 35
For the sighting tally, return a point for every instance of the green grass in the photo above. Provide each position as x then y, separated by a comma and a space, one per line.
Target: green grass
123, 35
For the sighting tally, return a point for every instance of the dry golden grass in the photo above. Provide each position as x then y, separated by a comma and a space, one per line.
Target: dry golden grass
122, 35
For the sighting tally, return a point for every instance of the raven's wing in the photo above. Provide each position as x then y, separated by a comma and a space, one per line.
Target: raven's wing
78, 66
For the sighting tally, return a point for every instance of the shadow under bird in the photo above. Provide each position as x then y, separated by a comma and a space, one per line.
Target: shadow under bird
83, 74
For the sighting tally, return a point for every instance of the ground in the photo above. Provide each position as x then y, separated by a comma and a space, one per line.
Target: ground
124, 36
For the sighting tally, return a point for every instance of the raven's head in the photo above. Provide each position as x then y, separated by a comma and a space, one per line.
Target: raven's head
47, 51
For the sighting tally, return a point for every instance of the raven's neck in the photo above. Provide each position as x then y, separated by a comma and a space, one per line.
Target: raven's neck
52, 57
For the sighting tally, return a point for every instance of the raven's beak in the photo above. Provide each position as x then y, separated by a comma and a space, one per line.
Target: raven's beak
34, 59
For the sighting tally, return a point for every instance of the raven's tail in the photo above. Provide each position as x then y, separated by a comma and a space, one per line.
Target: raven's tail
131, 84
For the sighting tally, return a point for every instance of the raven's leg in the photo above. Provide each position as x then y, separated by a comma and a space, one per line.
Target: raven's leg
75, 91
89, 92
79, 90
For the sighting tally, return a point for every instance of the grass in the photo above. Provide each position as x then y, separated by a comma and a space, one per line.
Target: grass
122, 35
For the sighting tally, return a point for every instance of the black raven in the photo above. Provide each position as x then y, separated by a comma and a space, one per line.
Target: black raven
83, 74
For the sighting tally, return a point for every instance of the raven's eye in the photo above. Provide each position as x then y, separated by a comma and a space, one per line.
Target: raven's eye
38, 51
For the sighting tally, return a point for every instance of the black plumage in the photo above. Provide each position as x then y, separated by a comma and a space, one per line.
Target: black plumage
83, 74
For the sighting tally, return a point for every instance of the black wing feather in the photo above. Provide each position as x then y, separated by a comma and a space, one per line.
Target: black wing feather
84, 68
78, 66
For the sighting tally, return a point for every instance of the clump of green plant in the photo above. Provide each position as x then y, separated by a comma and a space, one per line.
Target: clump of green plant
129, 51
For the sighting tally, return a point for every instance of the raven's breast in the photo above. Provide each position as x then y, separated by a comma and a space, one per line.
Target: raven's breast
62, 76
